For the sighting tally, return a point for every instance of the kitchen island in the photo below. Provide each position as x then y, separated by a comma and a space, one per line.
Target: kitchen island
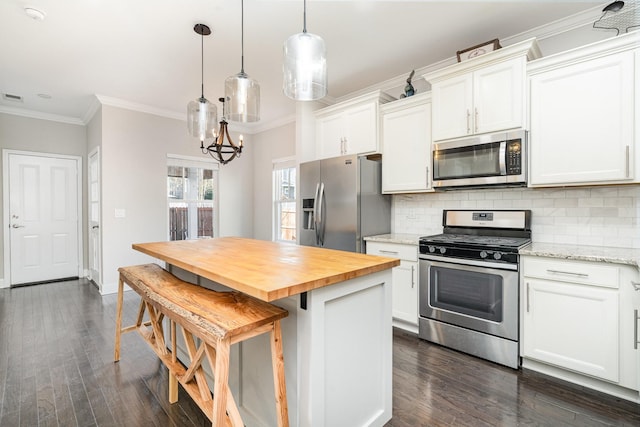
338, 336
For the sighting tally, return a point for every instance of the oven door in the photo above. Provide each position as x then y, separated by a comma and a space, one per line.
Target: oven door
476, 297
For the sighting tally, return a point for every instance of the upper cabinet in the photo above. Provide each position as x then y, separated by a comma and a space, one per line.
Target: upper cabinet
481, 95
349, 127
583, 115
406, 145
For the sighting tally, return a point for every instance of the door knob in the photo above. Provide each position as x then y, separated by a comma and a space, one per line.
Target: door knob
95, 226
17, 226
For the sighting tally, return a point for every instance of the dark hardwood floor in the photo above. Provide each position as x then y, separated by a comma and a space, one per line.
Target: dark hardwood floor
56, 369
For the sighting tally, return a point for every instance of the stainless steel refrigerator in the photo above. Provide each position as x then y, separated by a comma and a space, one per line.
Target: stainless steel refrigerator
342, 203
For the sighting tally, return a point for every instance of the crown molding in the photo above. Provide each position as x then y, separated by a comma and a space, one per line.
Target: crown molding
142, 108
39, 115
94, 107
265, 126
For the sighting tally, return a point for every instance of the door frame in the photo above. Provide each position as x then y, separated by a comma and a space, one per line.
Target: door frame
6, 281
96, 280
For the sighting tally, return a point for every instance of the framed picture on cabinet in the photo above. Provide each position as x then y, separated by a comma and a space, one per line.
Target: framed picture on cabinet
477, 50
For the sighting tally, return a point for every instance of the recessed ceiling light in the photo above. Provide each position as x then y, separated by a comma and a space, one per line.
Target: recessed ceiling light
44, 95
34, 13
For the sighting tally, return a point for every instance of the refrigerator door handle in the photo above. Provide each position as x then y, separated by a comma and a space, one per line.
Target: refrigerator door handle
316, 221
322, 221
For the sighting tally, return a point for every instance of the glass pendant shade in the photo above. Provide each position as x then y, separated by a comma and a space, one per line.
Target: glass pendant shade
202, 117
242, 95
305, 67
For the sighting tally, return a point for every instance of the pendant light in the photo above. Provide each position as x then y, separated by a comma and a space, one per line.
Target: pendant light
241, 91
305, 65
201, 114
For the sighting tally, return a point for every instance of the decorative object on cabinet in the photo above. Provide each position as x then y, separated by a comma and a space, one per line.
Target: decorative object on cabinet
242, 92
220, 150
201, 114
409, 90
305, 65
619, 15
477, 50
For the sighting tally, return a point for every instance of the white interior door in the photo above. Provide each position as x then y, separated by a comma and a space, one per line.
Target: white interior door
94, 219
43, 217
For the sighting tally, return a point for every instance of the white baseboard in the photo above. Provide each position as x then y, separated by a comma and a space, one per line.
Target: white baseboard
2, 284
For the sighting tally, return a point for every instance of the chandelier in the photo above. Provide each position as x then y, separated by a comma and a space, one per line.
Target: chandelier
221, 150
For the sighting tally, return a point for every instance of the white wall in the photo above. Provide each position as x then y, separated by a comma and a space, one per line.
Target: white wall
45, 136
269, 145
134, 150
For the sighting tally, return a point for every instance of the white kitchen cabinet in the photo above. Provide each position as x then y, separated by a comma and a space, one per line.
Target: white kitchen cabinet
350, 127
406, 145
577, 316
582, 116
481, 95
404, 290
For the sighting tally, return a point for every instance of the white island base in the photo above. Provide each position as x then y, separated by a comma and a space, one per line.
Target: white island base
337, 356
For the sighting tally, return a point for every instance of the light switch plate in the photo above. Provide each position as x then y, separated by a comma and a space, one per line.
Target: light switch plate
120, 213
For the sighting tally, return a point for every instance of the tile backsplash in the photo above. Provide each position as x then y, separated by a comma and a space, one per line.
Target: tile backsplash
597, 216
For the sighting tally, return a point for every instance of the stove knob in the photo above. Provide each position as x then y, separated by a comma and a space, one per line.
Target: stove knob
432, 248
497, 255
483, 254
443, 250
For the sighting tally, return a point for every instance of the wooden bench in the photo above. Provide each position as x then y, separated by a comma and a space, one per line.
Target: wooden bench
218, 319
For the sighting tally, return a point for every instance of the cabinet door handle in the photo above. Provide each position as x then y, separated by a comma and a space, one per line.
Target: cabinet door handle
627, 158
475, 121
635, 329
636, 285
527, 297
570, 273
384, 251
413, 282
427, 169
468, 121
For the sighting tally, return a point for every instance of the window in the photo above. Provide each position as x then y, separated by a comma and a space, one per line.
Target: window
192, 198
284, 200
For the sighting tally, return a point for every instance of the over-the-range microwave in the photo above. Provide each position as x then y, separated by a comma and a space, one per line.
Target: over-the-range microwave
497, 159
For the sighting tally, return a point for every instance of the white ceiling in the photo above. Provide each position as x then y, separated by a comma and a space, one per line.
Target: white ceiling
146, 52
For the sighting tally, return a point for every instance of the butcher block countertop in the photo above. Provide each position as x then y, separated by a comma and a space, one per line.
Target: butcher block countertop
265, 270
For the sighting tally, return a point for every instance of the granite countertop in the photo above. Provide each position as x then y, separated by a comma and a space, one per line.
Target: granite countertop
628, 256
405, 239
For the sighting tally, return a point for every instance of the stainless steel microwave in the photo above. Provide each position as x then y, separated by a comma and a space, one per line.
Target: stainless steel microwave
497, 159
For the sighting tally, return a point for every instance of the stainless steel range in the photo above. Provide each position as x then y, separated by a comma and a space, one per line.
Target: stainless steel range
469, 283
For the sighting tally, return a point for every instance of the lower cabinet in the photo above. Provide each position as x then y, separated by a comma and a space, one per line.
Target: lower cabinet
404, 290
578, 316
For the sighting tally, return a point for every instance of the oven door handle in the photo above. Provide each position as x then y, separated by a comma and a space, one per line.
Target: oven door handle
470, 262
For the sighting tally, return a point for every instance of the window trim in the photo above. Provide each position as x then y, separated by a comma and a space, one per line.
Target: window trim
279, 164
202, 163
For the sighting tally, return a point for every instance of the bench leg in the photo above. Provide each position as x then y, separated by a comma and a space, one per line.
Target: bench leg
173, 381
221, 380
277, 360
116, 352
